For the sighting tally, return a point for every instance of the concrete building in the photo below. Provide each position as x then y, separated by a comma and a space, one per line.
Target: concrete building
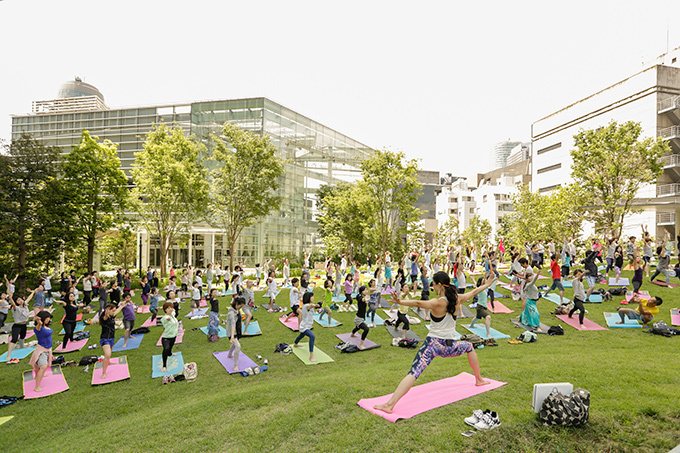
650, 97
457, 200
427, 202
500, 153
313, 154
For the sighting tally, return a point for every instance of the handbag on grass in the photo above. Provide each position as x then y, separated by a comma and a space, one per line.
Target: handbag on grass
566, 410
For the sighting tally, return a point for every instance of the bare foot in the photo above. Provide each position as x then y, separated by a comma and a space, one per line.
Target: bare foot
236, 369
103, 377
38, 389
229, 356
384, 407
164, 369
297, 345
353, 335
124, 345
312, 359
362, 347
481, 381
619, 322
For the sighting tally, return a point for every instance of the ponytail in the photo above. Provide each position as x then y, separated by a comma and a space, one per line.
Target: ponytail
450, 291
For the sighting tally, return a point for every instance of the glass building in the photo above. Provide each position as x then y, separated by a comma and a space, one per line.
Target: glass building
313, 154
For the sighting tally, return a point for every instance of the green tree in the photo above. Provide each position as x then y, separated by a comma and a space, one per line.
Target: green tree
171, 185
392, 186
478, 232
35, 207
244, 183
343, 224
97, 187
611, 164
446, 234
120, 247
416, 235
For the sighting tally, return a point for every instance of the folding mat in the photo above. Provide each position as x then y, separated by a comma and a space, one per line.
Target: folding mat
53, 382
155, 323
573, 322
613, 318
662, 283
80, 326
356, 340
71, 346
228, 363
132, 343
480, 330
79, 317
222, 332
116, 371
397, 333
425, 397
324, 321
544, 328
175, 365
498, 307
623, 281
178, 338
456, 335
197, 312
292, 323
555, 298
675, 317
18, 353
302, 353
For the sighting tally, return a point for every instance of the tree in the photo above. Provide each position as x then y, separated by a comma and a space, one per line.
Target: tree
343, 223
392, 186
120, 247
245, 182
97, 187
611, 164
478, 232
446, 234
34, 205
416, 235
171, 185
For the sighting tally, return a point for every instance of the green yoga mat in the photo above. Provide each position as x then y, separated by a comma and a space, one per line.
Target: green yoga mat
302, 353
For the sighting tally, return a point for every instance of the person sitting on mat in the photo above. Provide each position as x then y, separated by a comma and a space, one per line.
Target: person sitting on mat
42, 356
325, 306
645, 312
234, 328
294, 298
20, 314
70, 314
530, 314
579, 296
170, 330
307, 314
482, 312
360, 317
440, 340
108, 322
128, 319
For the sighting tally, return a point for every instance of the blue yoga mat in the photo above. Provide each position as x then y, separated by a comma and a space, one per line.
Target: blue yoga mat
18, 353
613, 318
197, 312
222, 331
80, 326
132, 343
567, 284
253, 329
378, 320
595, 299
481, 331
555, 298
175, 365
324, 321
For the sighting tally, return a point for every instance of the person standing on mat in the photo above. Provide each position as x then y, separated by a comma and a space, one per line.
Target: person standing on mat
70, 315
20, 315
579, 297
440, 340
307, 314
618, 261
294, 299
170, 330
360, 317
271, 292
128, 319
348, 291
4, 307
325, 306
402, 311
153, 304
249, 296
372, 301
557, 278
234, 328
638, 270
425, 295
662, 267
42, 356
213, 316
530, 315
195, 299
172, 298
107, 320
482, 312
591, 272
644, 313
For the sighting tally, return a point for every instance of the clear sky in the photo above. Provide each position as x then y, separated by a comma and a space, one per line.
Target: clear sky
442, 81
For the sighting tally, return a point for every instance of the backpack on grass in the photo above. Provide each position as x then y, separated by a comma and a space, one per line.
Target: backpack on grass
190, 371
475, 339
528, 337
140, 330
661, 328
555, 330
408, 343
348, 347
88, 359
619, 291
283, 348
566, 410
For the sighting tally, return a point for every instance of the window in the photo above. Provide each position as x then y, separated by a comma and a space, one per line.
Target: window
549, 188
550, 168
484, 199
472, 210
549, 148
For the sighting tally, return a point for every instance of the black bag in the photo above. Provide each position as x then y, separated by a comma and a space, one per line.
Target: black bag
566, 410
661, 328
140, 331
555, 330
408, 343
88, 359
619, 291
476, 340
348, 348
283, 348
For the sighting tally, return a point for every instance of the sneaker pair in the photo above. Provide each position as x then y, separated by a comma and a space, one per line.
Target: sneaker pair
15, 360
488, 420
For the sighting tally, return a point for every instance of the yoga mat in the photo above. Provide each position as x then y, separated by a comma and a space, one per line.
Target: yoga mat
413, 320
344, 309
253, 329
499, 308
498, 295
613, 318
178, 338
378, 320
132, 343
383, 303
623, 281
573, 322
202, 303
397, 333
507, 286
387, 291
567, 284
197, 312
630, 294
466, 313
594, 299
156, 323
662, 283
675, 317
53, 382
555, 298
348, 338
420, 312
79, 317
228, 363
18, 353
324, 321
544, 328
143, 309
456, 335
222, 331
425, 397
175, 365
72, 346
4, 420
116, 371
267, 295
481, 331
292, 323
80, 326
302, 353
266, 307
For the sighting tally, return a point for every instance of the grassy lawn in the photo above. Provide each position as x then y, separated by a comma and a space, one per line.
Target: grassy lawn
632, 377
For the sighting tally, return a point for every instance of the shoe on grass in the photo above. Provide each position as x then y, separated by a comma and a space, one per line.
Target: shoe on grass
476, 417
488, 421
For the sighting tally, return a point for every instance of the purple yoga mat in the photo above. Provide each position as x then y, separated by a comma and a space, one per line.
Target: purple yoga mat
573, 322
422, 398
347, 338
243, 361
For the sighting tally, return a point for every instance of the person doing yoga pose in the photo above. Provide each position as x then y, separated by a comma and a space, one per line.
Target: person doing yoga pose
360, 318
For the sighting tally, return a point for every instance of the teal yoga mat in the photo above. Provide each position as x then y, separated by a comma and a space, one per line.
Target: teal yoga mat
175, 365
613, 318
132, 343
222, 331
481, 331
18, 353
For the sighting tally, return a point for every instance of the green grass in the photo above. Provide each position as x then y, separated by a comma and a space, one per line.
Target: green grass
632, 377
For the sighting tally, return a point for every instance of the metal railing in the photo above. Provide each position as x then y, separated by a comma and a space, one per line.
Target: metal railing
668, 104
670, 132
664, 190
665, 218
672, 160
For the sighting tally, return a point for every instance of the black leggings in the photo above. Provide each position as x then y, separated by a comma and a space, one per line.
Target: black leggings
69, 328
168, 343
491, 294
401, 318
636, 285
176, 305
18, 332
578, 305
3, 316
154, 313
363, 327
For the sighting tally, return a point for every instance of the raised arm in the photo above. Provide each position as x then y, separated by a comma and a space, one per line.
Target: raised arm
462, 298
30, 296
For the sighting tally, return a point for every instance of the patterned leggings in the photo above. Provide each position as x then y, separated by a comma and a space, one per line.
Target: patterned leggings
436, 347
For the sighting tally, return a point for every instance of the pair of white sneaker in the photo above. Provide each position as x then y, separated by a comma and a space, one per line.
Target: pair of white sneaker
483, 420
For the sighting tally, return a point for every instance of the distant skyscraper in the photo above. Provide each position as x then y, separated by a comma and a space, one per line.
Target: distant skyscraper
501, 151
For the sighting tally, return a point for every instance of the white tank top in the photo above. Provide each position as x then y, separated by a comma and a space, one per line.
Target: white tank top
444, 329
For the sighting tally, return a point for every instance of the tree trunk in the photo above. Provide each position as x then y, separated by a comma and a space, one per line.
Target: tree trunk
90, 253
164, 254
232, 243
21, 262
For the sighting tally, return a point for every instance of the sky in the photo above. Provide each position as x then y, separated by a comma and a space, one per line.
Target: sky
442, 81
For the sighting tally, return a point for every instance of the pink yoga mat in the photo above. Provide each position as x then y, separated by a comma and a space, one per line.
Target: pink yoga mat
643, 294
573, 322
203, 303
178, 339
499, 308
117, 371
72, 346
292, 323
661, 283
422, 398
143, 309
228, 363
675, 317
148, 322
53, 382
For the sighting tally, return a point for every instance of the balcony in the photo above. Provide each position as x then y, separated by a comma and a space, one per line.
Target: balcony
667, 190
672, 134
665, 218
668, 105
671, 164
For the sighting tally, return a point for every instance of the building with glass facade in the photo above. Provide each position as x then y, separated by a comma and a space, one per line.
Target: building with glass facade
313, 154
